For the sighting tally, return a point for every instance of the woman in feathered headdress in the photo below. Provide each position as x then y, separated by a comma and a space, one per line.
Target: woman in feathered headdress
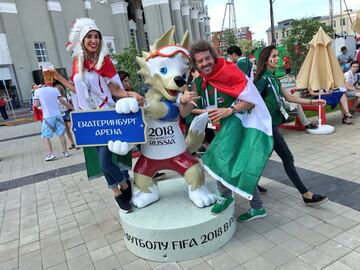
94, 81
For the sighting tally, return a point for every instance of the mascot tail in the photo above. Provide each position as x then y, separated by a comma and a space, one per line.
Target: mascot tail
196, 133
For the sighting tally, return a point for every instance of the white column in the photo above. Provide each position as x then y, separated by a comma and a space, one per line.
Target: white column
194, 15
120, 19
202, 26
185, 12
158, 18
175, 6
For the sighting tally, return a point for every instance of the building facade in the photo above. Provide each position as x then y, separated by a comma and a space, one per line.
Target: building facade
36, 31
342, 25
282, 30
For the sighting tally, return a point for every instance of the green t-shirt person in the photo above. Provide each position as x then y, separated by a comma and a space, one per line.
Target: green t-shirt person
265, 88
245, 65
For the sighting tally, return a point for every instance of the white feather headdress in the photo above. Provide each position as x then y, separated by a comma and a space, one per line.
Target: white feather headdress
81, 27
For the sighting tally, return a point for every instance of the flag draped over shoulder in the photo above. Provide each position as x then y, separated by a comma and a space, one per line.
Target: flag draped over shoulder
239, 152
227, 78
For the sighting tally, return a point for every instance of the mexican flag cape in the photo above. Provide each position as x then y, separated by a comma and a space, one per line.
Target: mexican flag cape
240, 150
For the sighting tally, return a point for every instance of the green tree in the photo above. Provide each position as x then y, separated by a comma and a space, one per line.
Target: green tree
246, 46
259, 44
297, 42
228, 39
126, 61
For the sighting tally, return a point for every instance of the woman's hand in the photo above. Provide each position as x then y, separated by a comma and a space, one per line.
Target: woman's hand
216, 114
140, 99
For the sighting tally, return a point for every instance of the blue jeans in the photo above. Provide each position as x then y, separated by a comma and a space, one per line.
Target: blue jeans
112, 172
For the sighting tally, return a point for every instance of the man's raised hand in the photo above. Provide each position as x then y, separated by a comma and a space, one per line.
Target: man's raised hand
189, 97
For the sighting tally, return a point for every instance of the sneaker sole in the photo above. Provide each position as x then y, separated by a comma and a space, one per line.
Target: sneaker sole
255, 217
317, 203
125, 211
216, 214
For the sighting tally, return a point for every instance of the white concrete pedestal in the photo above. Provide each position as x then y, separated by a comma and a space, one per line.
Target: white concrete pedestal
173, 228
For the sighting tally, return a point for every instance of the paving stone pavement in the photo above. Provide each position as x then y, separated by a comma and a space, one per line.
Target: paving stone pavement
66, 222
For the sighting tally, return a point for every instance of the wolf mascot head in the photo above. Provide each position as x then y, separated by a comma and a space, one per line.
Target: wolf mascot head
165, 67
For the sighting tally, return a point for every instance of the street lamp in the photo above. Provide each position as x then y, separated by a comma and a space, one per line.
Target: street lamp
273, 40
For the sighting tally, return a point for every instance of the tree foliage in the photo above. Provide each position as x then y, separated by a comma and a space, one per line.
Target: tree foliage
248, 46
228, 38
259, 44
297, 42
126, 61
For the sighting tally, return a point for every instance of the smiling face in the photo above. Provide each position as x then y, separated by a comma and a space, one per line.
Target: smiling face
92, 41
204, 62
273, 60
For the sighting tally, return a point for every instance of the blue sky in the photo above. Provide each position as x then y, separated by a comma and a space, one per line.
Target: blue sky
256, 13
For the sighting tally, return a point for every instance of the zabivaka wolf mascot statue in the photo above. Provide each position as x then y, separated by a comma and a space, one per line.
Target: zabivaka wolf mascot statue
165, 68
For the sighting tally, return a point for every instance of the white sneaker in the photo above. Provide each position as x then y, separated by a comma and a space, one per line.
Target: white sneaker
66, 154
50, 157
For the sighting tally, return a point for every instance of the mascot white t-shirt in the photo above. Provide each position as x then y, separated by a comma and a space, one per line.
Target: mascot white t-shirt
165, 140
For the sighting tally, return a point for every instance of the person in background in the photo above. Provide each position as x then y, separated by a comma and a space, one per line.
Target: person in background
125, 79
333, 98
244, 63
357, 55
296, 109
272, 92
287, 66
48, 97
344, 59
65, 111
352, 85
3, 108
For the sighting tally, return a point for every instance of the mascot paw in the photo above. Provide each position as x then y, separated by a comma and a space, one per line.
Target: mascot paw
143, 199
202, 197
126, 105
119, 147
199, 124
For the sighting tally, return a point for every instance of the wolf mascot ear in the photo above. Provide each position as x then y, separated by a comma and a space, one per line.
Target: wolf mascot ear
185, 42
165, 40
